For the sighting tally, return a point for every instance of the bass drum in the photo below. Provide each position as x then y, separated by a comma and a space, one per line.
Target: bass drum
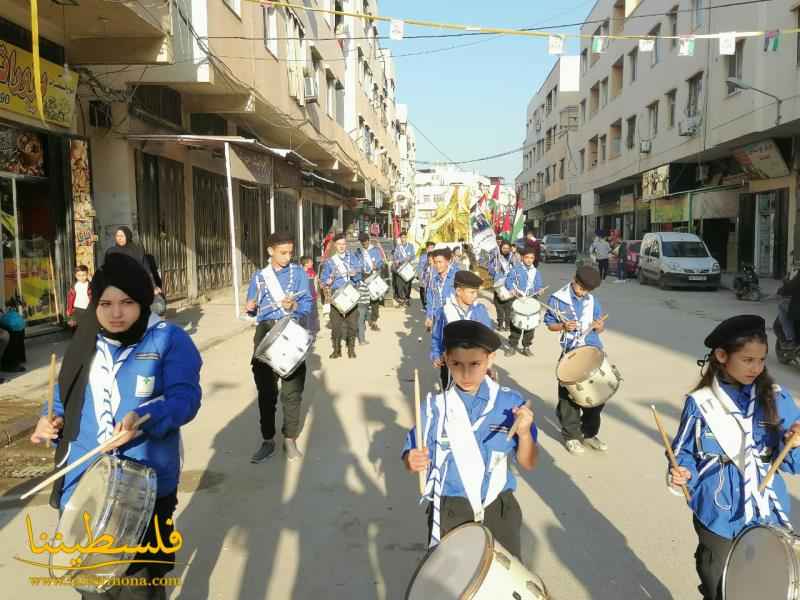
285, 347
503, 293
469, 564
763, 564
589, 377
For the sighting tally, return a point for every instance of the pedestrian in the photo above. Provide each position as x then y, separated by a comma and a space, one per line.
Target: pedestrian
601, 250
342, 268
734, 422
125, 244
403, 253
125, 363
524, 281
463, 304
582, 327
278, 290
78, 297
468, 478
312, 322
12, 328
441, 283
424, 272
373, 259
622, 258
499, 268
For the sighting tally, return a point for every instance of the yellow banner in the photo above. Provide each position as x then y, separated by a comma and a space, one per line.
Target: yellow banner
18, 93
450, 222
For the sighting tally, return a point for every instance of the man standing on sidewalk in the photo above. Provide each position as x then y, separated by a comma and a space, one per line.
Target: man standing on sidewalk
601, 250
280, 289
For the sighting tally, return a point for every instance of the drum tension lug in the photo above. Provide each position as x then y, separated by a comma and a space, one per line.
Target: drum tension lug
579, 387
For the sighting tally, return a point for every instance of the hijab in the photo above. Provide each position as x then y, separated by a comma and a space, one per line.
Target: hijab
131, 248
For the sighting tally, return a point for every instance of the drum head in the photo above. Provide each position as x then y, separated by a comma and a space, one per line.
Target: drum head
578, 365
761, 565
456, 566
90, 496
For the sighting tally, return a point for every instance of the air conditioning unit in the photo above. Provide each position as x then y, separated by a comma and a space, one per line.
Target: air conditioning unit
645, 146
690, 125
310, 89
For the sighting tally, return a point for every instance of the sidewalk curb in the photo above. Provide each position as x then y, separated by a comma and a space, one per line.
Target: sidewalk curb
23, 427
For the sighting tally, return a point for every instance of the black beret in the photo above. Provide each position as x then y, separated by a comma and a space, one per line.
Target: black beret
338, 236
588, 277
363, 237
527, 249
470, 334
467, 279
740, 326
280, 237
429, 244
446, 252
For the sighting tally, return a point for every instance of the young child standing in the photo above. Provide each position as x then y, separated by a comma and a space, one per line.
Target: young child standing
462, 304
78, 296
312, 323
465, 453
524, 281
733, 423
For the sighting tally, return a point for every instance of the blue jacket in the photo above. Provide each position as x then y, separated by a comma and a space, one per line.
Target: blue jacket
293, 279
439, 289
402, 254
593, 339
491, 436
477, 312
423, 270
159, 376
377, 259
717, 489
496, 267
334, 278
517, 280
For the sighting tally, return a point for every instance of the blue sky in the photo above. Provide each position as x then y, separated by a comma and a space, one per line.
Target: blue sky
471, 101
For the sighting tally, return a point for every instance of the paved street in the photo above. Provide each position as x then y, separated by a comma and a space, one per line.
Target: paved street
344, 523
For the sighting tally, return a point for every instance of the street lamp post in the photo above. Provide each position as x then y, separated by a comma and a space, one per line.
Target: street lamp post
741, 85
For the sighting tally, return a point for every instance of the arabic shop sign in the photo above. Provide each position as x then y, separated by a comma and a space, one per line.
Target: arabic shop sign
655, 183
17, 92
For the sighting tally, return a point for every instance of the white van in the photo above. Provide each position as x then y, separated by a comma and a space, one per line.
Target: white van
677, 259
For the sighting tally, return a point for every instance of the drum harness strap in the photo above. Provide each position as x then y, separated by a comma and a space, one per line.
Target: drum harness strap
368, 260
453, 311
529, 283
342, 267
574, 339
270, 288
440, 288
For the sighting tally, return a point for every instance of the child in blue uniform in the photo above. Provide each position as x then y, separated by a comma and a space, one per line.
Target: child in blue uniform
581, 326
441, 285
424, 268
462, 304
465, 453
523, 281
499, 267
372, 259
403, 253
734, 423
341, 267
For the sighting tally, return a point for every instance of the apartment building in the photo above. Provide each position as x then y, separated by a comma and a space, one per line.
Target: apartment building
668, 143
208, 124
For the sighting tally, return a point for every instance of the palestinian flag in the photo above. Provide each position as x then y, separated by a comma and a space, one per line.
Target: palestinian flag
518, 227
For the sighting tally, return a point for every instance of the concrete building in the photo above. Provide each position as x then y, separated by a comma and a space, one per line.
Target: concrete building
665, 142
211, 123
406, 187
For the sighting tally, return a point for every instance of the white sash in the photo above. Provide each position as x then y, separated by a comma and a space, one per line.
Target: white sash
342, 267
453, 312
368, 260
530, 280
273, 285
577, 338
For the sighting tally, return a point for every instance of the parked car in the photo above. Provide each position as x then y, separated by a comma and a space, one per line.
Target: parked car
677, 259
632, 260
558, 247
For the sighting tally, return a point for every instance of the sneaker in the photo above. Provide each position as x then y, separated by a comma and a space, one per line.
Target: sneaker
527, 351
574, 447
291, 449
596, 444
374, 327
510, 351
267, 449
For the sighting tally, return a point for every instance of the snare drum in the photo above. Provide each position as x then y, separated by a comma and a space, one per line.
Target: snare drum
762, 563
525, 313
285, 346
376, 286
345, 298
407, 272
470, 563
119, 496
503, 294
588, 376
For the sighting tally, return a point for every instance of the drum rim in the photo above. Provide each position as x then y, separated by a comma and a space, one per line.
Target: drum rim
791, 556
473, 587
591, 373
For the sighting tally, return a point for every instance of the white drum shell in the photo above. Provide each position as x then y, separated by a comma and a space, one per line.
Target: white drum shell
376, 286
525, 314
407, 272
345, 298
755, 551
598, 387
503, 294
289, 344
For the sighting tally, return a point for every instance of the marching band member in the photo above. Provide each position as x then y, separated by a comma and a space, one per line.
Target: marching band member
466, 458
525, 280
581, 326
441, 285
280, 289
500, 266
424, 269
373, 260
403, 253
122, 364
342, 267
733, 423
462, 304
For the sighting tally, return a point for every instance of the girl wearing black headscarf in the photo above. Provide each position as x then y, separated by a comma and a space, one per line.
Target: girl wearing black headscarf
124, 363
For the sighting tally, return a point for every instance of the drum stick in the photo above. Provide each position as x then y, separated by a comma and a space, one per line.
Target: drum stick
672, 460
515, 427
777, 463
51, 392
418, 425
104, 447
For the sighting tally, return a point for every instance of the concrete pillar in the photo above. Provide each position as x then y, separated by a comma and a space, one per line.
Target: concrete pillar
300, 232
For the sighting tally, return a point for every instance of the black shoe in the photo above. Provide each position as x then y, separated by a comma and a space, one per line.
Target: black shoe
337, 351
266, 450
374, 327
526, 351
510, 351
351, 348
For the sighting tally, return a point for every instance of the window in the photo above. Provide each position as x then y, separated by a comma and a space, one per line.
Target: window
634, 59
685, 249
330, 100
631, 133
698, 13
561, 169
695, 92
655, 54
604, 92
235, 6
585, 62
270, 29
602, 143
296, 58
581, 161
673, 26
583, 111
671, 95
735, 65
616, 139
652, 115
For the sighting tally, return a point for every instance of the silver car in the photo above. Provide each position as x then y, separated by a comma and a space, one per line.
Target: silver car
558, 247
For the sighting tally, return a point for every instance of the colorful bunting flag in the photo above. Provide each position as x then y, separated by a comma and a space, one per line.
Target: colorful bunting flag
772, 39
727, 43
647, 44
396, 29
555, 44
686, 46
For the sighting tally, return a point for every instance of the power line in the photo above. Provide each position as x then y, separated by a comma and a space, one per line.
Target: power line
435, 147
